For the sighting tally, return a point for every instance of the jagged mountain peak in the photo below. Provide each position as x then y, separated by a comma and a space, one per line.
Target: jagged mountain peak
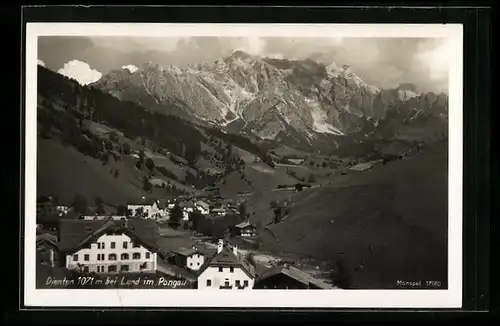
271, 97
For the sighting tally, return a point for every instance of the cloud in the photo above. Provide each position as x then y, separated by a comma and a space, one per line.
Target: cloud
383, 62
80, 71
130, 68
41, 63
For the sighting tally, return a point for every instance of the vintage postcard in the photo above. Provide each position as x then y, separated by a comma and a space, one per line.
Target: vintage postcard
243, 165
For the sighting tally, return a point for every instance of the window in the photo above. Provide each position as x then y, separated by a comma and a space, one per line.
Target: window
124, 268
112, 257
98, 245
221, 269
238, 283
125, 245
190, 264
86, 257
98, 267
102, 257
124, 257
113, 245
112, 268
85, 269
102, 246
231, 269
98, 258
75, 257
148, 255
198, 264
209, 282
226, 283
136, 255
245, 283
136, 245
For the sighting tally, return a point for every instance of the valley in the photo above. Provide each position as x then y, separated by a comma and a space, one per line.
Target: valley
329, 169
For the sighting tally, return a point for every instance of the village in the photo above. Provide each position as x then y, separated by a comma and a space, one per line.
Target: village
198, 242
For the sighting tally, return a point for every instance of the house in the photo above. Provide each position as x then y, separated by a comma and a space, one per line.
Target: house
226, 270
189, 258
102, 217
47, 249
203, 207
220, 211
62, 210
109, 246
244, 229
187, 208
288, 277
146, 209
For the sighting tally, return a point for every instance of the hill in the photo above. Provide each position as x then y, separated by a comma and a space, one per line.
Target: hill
387, 224
126, 151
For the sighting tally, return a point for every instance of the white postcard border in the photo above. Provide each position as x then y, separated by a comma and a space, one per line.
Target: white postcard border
450, 298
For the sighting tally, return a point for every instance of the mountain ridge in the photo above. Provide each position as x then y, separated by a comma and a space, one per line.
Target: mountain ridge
271, 97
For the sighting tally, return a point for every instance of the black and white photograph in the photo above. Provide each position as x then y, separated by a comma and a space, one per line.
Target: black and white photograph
243, 165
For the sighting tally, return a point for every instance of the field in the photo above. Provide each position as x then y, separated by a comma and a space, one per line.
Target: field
388, 223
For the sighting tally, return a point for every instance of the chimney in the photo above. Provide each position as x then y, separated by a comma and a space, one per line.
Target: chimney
220, 246
235, 250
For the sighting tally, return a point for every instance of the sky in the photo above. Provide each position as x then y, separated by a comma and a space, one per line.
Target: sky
383, 62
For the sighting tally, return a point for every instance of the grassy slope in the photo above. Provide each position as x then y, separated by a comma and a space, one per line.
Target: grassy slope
399, 209
65, 172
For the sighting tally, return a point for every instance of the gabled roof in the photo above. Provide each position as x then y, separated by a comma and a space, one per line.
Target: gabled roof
226, 258
74, 234
186, 251
49, 239
293, 273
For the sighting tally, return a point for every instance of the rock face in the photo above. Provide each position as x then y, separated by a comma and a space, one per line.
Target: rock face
301, 102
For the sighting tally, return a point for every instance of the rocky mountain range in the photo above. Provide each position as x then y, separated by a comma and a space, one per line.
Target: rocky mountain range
301, 103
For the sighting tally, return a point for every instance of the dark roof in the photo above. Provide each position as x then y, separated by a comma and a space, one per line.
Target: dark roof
227, 258
185, 251
73, 234
46, 238
293, 273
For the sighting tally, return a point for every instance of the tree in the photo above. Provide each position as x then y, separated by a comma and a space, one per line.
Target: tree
324, 164
80, 204
126, 149
139, 212
121, 210
150, 164
146, 184
298, 187
340, 275
311, 163
176, 214
195, 217
99, 206
242, 210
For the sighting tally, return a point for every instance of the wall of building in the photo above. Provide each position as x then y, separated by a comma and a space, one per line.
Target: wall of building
280, 281
195, 261
93, 263
218, 278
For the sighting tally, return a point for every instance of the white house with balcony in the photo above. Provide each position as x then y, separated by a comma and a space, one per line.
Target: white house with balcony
226, 271
109, 246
